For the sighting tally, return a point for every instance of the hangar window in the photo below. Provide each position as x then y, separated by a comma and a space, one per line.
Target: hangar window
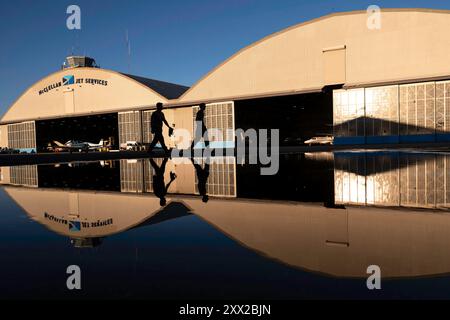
349, 113
443, 106
381, 111
417, 104
440, 106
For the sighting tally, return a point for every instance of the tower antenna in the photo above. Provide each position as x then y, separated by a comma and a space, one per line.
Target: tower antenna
128, 43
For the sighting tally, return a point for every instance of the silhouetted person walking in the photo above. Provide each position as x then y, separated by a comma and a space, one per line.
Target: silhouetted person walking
202, 177
157, 121
200, 130
159, 186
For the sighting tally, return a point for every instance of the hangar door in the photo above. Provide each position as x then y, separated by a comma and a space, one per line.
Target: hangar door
130, 127
146, 124
219, 120
22, 136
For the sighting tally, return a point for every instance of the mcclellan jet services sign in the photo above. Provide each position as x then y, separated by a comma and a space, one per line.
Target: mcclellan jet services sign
70, 80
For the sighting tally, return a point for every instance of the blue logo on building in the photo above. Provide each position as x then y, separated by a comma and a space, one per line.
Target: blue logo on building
68, 80
74, 226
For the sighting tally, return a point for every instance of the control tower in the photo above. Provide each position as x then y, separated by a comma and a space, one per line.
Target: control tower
79, 62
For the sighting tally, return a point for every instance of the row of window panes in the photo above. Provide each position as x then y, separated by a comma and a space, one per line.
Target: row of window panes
406, 109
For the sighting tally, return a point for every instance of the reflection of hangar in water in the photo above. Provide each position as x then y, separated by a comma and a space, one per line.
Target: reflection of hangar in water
128, 176
404, 239
371, 86
335, 242
389, 179
220, 177
393, 179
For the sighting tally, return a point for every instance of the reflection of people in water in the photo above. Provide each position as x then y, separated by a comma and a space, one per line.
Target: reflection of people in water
202, 177
200, 130
159, 187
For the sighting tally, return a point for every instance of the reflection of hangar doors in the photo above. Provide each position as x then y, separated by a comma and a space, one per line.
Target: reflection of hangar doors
132, 176
222, 178
334, 63
130, 127
221, 181
69, 101
24, 176
219, 120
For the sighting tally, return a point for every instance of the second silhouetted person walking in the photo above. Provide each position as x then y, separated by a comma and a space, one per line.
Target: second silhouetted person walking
201, 131
157, 121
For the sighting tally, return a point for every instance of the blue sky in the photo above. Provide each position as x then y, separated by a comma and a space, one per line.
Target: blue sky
172, 40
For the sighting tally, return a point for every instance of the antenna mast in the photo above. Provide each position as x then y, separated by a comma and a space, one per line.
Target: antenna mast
128, 43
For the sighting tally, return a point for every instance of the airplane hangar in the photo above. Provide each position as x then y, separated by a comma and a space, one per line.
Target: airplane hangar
334, 75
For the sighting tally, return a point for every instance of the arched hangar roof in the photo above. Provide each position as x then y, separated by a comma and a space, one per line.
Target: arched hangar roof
410, 44
343, 48
80, 91
165, 89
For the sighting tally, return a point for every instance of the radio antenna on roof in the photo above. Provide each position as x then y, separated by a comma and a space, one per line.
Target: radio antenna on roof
128, 44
